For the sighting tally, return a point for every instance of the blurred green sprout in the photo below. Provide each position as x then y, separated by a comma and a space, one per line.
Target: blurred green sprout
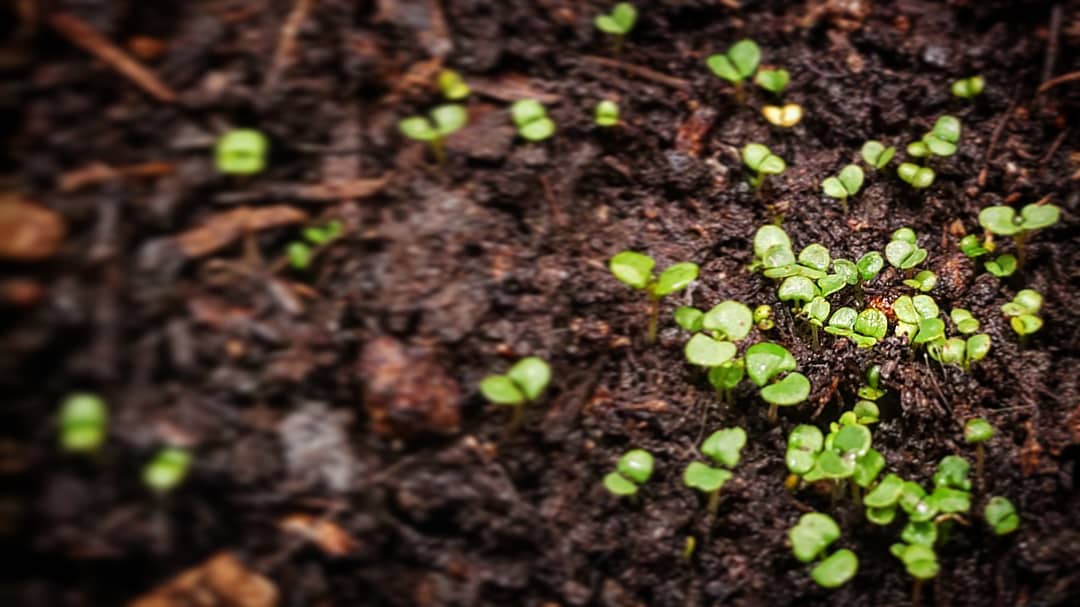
724, 448
636, 270
1001, 515
434, 128
846, 184
453, 86
774, 81
1023, 312
84, 422
967, 88
903, 251
766, 362
940, 141
924, 281
875, 154
633, 469
607, 113
762, 161
736, 65
167, 469
301, 253
241, 152
523, 383
809, 539
531, 120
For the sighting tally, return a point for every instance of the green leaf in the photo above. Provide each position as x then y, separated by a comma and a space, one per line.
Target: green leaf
978, 430
1000, 220
167, 470
724, 446
449, 118
925, 306
836, 570
774, 81
853, 439
799, 462
833, 283
689, 318
607, 113
930, 329
844, 319
923, 534
1029, 300
618, 485
754, 155
501, 390
1001, 515
971, 247
846, 270
977, 347
730, 319
1001, 267
938, 147
705, 478
727, 375
952, 471
1026, 324
918, 177
950, 500
417, 127
531, 375
632, 268
876, 154
870, 265
920, 561
881, 516
452, 85
806, 438
815, 256
915, 149
636, 465
866, 412
1036, 216
852, 177
537, 130
886, 493
812, 535
791, 390
872, 323
769, 236
241, 152
924, 281
526, 111
966, 88
675, 278
299, 255
705, 351
817, 310
772, 165
868, 467
798, 289
724, 68
947, 128
83, 422
901, 254
766, 360
745, 56
964, 321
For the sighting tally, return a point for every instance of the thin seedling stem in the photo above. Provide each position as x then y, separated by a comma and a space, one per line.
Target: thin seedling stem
980, 457
654, 320
916, 593
772, 414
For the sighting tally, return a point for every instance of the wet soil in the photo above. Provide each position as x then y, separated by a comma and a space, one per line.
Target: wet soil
348, 392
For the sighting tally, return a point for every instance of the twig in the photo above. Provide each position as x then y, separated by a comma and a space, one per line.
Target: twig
1062, 79
1054, 147
1052, 42
638, 70
82, 35
287, 43
998, 130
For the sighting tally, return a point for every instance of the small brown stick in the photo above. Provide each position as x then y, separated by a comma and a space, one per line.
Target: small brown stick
286, 46
1052, 42
1062, 79
80, 34
637, 70
1054, 147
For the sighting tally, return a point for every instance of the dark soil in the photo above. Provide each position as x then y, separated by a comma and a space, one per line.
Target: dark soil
348, 391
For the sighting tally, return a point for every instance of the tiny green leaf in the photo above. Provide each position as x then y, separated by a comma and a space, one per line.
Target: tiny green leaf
705, 478
812, 535
83, 422
868, 467
966, 88
774, 81
836, 570
766, 360
167, 469
299, 255
449, 118
531, 375
689, 318
632, 268
501, 390
452, 85
876, 154
769, 236
978, 430
730, 320
797, 289
636, 465
922, 533
952, 471
724, 446
886, 493
607, 113
619, 22
705, 351
675, 278
1002, 266
241, 152
745, 56
870, 265
618, 485
791, 390
1001, 515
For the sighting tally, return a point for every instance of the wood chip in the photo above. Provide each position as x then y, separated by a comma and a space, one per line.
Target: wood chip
332, 191
28, 231
97, 172
330, 538
221, 581
225, 228
510, 88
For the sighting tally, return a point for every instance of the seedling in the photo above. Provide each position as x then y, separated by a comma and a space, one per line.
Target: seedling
636, 270
972, 247
921, 564
167, 469
434, 128
727, 322
531, 120
810, 537
1002, 266
916, 176
817, 313
633, 469
1003, 221
940, 141
787, 115
967, 88
916, 316
774, 81
978, 431
765, 362
1023, 312
241, 152
689, 318
797, 290
812, 264
607, 113
724, 447
1001, 515
726, 377
903, 250
618, 22
453, 86
84, 423
736, 65
924, 281
803, 446
864, 328
871, 389
875, 154
301, 253
964, 322
847, 183
523, 383
763, 317
882, 500
763, 162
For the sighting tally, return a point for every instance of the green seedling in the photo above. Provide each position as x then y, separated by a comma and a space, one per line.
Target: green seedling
241, 152
766, 362
924, 281
726, 377
434, 128
972, 247
633, 469
727, 322
871, 389
866, 412
810, 537
763, 162
967, 88
531, 120
916, 176
523, 383
636, 270
846, 184
1001, 515
84, 423
875, 154
916, 316
804, 444
1023, 312
763, 317
847, 455
817, 313
1003, 221
978, 431
300, 253
689, 318
774, 81
1002, 266
738, 64
797, 290
921, 564
864, 328
167, 469
618, 22
772, 248
963, 320
940, 141
453, 86
881, 501
607, 113
812, 264
903, 250
724, 448
960, 352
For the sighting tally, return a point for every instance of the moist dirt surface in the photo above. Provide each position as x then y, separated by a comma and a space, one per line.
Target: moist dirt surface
341, 449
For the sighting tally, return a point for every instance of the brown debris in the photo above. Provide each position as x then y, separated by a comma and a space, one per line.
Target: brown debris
511, 87
425, 17
1029, 453
286, 47
98, 172
693, 130
330, 538
640, 71
221, 581
28, 231
224, 228
20, 292
407, 391
79, 33
332, 191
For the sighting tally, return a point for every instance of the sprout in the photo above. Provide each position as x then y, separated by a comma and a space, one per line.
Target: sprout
726, 377
847, 183
866, 412
976, 432
1003, 221
912, 312
785, 116
797, 290
864, 328
952, 472
817, 312
636, 270
963, 321
956, 351
812, 264
434, 129
1001, 515
724, 447
241, 152
523, 383
736, 65
923, 533
531, 120
1023, 312
763, 317
619, 22
966, 88
453, 86
803, 446
167, 469
875, 154
728, 320
84, 423
924, 281
689, 318
774, 81
916, 176
705, 351
836, 569
940, 141
810, 537
300, 253
903, 250
765, 362
632, 470
1001, 267
607, 113
972, 248
914, 502
871, 390
882, 500
762, 161
920, 562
